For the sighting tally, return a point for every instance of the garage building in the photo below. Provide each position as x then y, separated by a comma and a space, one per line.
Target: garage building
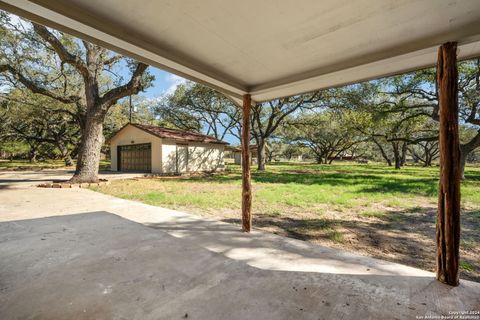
147, 148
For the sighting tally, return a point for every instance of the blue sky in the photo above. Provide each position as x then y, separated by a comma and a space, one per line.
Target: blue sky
165, 83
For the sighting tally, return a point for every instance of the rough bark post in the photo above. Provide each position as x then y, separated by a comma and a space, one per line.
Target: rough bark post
246, 176
448, 217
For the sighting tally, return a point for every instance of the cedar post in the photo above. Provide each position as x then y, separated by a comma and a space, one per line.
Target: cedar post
246, 183
448, 216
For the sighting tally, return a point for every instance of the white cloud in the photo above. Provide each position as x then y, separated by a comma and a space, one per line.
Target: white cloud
173, 81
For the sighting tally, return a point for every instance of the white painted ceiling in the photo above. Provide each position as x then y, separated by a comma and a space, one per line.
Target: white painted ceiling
269, 48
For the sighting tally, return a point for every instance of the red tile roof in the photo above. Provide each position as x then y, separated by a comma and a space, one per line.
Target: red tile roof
175, 134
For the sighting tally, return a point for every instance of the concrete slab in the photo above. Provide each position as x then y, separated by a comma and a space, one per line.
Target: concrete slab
77, 254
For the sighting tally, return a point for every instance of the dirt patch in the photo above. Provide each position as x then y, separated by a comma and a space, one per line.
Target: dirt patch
405, 236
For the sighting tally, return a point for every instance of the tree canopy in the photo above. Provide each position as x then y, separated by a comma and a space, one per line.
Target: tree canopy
79, 75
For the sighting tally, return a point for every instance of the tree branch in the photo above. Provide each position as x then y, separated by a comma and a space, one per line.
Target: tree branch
60, 49
36, 88
132, 87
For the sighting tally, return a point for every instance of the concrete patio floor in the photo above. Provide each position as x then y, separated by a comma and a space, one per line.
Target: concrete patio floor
77, 254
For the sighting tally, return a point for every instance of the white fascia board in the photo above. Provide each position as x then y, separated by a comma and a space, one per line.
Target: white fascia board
400, 64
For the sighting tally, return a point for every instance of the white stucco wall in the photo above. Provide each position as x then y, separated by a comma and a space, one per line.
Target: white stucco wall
169, 156
201, 156
132, 135
238, 157
205, 157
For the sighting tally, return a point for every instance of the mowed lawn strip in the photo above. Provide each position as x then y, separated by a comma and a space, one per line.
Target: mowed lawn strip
22, 165
371, 209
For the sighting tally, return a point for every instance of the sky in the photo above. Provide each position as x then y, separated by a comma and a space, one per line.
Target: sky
165, 83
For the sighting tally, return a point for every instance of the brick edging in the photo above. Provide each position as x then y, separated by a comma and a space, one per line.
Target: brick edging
66, 185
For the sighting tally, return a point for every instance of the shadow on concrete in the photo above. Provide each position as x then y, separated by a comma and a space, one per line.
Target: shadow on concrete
99, 265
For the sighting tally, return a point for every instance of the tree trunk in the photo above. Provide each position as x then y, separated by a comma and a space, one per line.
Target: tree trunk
397, 163
89, 153
448, 217
396, 155
383, 153
68, 159
32, 155
463, 162
403, 159
466, 149
428, 157
65, 153
261, 154
428, 160
269, 157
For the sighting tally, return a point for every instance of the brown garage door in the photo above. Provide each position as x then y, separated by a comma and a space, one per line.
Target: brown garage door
135, 158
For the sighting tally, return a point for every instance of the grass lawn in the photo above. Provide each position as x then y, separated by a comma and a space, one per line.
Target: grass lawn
20, 165
370, 209
26, 165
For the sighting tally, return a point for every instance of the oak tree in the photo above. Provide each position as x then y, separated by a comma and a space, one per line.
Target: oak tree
73, 72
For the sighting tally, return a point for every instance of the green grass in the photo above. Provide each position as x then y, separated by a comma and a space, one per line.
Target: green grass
26, 165
47, 164
469, 244
466, 266
336, 236
344, 187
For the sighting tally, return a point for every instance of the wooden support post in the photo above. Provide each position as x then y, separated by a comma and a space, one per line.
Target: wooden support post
448, 216
246, 176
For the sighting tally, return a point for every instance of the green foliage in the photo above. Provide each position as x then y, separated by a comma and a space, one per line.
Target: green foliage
327, 134
44, 124
195, 107
143, 111
14, 147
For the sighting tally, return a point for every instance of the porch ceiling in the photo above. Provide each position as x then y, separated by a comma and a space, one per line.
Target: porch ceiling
268, 48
